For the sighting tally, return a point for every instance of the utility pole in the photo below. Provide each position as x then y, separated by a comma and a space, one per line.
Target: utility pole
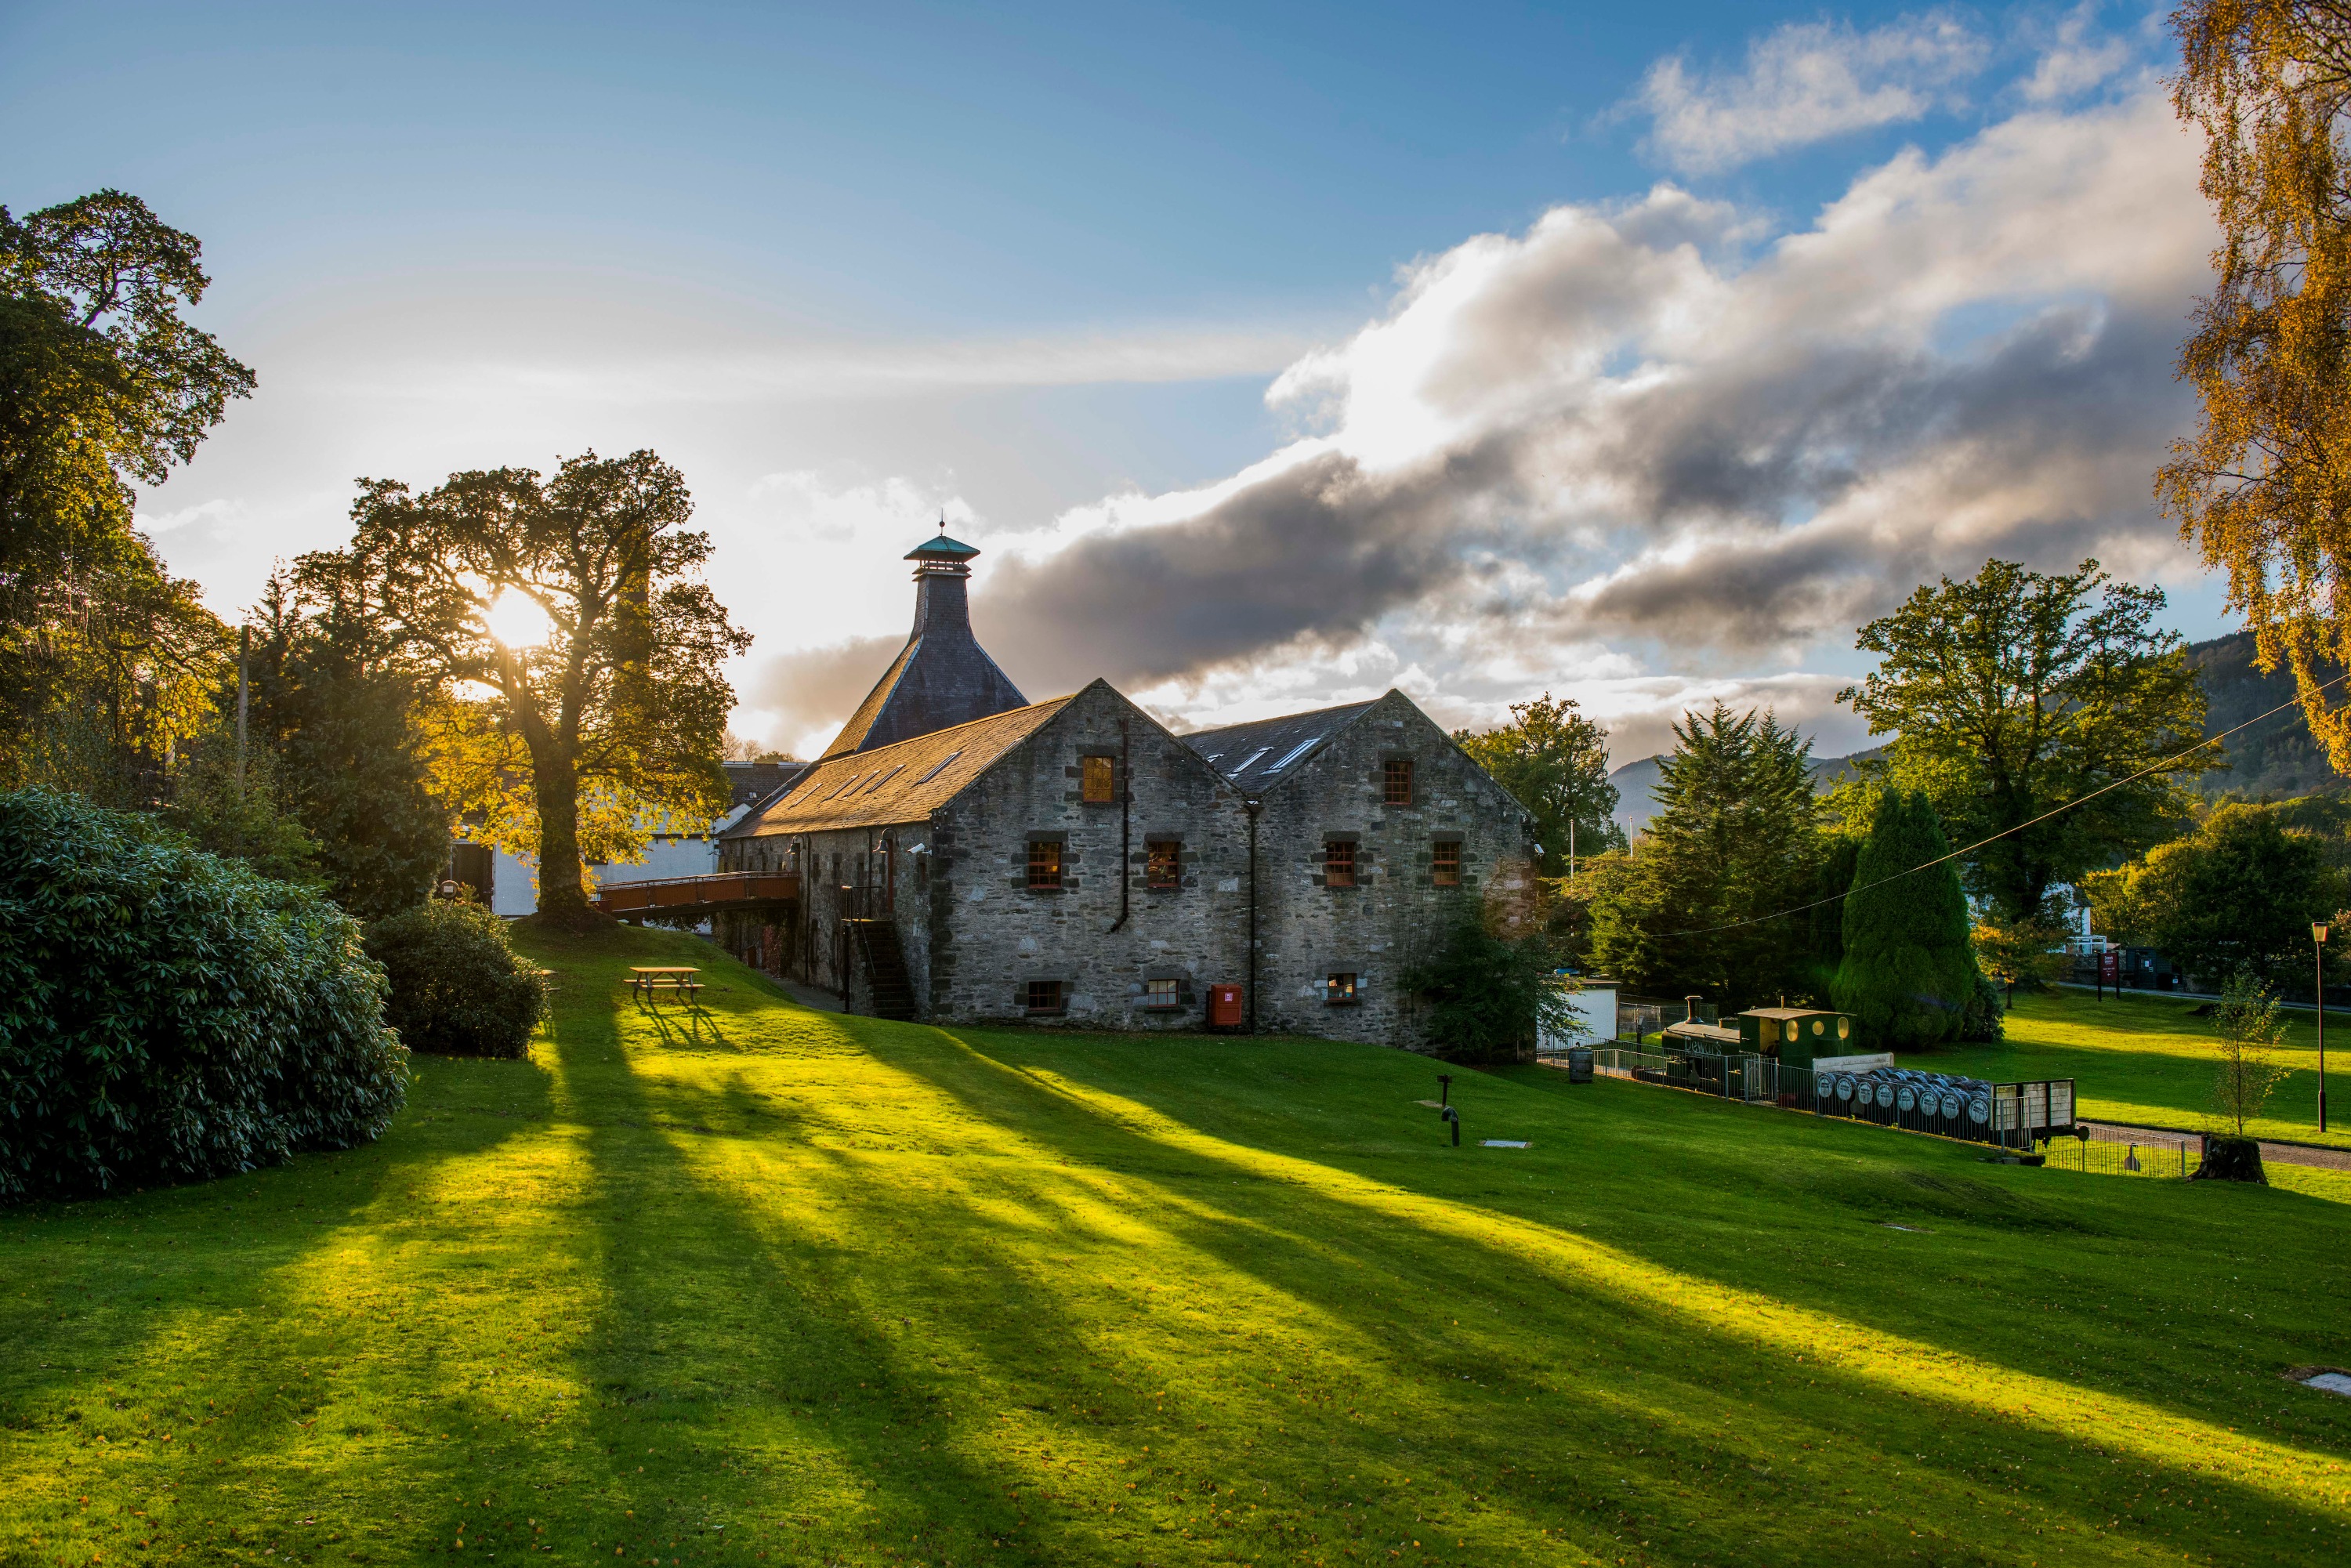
1571, 848
243, 658
2318, 963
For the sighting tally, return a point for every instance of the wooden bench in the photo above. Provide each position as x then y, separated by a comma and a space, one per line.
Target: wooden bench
647, 980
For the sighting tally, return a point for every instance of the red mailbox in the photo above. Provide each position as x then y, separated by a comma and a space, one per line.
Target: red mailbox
1224, 1007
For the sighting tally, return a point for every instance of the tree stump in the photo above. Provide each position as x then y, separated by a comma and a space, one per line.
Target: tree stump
2231, 1159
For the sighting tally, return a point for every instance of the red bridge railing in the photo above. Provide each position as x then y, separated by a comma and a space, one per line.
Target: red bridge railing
726, 889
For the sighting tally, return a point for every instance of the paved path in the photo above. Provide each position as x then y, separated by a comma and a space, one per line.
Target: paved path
2280, 1153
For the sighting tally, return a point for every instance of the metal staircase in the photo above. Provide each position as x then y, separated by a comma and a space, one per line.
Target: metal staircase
884, 962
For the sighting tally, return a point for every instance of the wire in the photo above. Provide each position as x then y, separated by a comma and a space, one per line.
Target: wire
2295, 701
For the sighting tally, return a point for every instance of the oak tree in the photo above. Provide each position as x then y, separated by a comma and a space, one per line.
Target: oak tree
2011, 694
1555, 761
576, 653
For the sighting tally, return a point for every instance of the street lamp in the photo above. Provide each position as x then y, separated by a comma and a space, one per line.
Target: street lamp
2318, 956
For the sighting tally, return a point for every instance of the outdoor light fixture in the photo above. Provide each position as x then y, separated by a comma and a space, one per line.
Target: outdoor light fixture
2318, 995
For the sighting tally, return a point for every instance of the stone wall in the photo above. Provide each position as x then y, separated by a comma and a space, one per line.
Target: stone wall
1309, 930
990, 934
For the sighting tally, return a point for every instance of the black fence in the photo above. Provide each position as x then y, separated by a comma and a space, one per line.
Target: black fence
2019, 1116
2126, 1151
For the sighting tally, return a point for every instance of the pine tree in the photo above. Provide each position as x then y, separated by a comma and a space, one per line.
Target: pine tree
1907, 969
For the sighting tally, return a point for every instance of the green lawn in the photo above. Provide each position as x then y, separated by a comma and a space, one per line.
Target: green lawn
778, 1285
2148, 1061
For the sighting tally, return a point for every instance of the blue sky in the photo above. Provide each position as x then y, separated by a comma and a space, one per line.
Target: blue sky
1042, 268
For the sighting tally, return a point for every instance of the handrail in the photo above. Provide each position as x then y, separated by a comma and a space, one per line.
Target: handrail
684, 891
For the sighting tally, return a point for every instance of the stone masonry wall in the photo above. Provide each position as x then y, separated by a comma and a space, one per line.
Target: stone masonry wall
1395, 913
989, 933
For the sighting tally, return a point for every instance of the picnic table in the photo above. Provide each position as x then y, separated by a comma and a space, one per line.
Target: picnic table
645, 980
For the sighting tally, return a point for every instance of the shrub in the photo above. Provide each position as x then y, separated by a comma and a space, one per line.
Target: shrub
166, 1015
1984, 1019
1488, 996
1907, 970
458, 988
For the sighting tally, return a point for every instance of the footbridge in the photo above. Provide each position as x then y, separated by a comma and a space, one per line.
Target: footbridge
699, 897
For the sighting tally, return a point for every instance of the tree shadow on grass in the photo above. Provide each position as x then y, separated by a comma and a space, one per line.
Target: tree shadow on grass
1628, 1353
180, 1310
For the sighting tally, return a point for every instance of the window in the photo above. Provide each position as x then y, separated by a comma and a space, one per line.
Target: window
1160, 994
1339, 862
941, 766
1045, 862
1098, 777
1044, 996
1162, 863
1339, 991
1396, 782
1445, 866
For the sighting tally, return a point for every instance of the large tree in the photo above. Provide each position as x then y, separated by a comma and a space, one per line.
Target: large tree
564, 623
338, 712
2238, 894
1555, 761
1736, 837
106, 662
2264, 486
2011, 694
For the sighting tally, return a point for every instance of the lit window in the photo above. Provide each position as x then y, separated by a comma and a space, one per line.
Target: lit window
1044, 996
1339, 863
1099, 775
1444, 870
1045, 862
1159, 994
1339, 991
1161, 863
1396, 782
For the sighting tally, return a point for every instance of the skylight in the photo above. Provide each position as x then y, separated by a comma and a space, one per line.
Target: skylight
1296, 752
844, 789
884, 778
939, 768
1250, 760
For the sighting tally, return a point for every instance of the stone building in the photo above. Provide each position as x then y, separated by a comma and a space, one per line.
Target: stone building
966, 856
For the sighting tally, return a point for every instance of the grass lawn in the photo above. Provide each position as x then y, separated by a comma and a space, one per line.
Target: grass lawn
2147, 1060
776, 1285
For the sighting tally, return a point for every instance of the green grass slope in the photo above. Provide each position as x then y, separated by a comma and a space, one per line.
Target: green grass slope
2148, 1061
770, 1285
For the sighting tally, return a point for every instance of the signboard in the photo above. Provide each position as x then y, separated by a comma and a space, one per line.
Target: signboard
1853, 1063
2110, 968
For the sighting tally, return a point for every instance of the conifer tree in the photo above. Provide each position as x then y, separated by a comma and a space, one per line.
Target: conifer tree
1907, 969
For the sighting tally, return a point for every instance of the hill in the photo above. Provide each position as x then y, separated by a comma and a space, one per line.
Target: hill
2277, 757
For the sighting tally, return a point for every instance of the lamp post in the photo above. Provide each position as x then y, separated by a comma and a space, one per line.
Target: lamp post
2318, 961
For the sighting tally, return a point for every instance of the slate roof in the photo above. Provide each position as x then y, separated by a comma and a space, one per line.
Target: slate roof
941, 677
900, 783
1266, 752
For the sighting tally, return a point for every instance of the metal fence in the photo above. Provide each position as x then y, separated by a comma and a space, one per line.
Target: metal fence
2126, 1151
2007, 1116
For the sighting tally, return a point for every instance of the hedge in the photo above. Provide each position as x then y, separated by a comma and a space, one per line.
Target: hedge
166, 1015
457, 985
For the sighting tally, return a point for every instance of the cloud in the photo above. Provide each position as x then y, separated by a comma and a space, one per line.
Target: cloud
1646, 424
804, 696
1804, 82
2079, 58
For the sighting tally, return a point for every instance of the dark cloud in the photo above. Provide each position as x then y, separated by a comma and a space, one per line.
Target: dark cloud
818, 688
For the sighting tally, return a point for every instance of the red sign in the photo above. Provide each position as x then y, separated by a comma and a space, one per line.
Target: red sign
2110, 968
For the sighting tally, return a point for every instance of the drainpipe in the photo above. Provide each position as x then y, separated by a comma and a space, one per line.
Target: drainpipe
1253, 807
1126, 825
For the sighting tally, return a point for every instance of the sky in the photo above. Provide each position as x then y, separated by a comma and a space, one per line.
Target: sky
1272, 356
